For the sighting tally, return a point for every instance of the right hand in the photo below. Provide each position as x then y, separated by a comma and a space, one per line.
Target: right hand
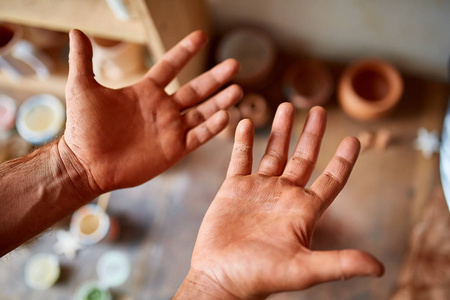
255, 238
125, 137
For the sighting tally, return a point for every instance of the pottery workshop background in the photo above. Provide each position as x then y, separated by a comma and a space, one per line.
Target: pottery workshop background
413, 34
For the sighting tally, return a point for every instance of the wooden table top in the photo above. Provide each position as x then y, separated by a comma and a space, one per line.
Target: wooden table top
159, 220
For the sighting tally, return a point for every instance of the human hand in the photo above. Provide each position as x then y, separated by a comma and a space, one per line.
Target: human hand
124, 137
255, 237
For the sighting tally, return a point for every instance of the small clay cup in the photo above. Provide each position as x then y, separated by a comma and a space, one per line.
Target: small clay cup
308, 83
254, 107
369, 89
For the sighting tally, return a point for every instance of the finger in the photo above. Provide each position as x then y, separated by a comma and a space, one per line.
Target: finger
176, 58
326, 266
221, 101
300, 166
204, 132
242, 157
336, 174
206, 84
275, 157
80, 61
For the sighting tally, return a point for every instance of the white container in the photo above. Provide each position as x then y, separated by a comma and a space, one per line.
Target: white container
42, 271
40, 119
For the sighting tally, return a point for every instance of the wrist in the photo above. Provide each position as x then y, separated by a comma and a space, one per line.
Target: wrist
199, 285
80, 180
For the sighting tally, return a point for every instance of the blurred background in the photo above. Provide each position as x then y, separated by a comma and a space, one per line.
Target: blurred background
380, 68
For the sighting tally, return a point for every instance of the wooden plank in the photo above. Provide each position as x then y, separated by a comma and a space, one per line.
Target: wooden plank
92, 16
170, 21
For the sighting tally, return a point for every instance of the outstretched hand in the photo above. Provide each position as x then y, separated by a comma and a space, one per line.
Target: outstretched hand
125, 137
255, 238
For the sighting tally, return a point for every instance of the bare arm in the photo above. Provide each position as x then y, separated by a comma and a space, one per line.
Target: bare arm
38, 190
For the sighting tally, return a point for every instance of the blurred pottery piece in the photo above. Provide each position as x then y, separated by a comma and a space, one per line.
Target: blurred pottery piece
235, 117
90, 224
20, 58
40, 119
382, 139
42, 271
253, 49
46, 39
370, 89
8, 108
254, 107
115, 60
366, 140
308, 83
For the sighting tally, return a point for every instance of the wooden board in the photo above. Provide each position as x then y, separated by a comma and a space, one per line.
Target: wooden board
92, 16
159, 219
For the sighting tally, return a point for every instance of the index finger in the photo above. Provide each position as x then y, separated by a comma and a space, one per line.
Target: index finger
176, 58
336, 174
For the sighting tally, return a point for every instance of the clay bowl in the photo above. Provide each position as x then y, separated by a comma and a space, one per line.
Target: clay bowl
308, 83
253, 49
369, 89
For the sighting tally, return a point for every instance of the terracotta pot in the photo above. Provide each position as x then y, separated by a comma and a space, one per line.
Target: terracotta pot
255, 51
254, 106
370, 89
115, 60
308, 83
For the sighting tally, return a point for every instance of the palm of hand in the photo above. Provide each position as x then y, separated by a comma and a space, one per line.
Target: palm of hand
255, 237
130, 135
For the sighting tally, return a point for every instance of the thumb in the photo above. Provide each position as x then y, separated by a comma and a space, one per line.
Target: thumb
80, 60
341, 265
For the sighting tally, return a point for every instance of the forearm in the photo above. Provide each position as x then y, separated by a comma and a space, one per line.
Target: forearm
38, 190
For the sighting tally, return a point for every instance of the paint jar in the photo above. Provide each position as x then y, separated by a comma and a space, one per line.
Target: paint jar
369, 89
8, 108
116, 60
42, 271
90, 224
113, 268
92, 290
253, 49
254, 107
20, 58
308, 83
40, 119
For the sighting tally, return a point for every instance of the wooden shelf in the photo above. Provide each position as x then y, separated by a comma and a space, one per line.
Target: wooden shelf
91, 16
157, 24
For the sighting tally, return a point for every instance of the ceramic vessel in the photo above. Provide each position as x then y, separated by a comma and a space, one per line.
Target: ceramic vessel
308, 83
254, 107
255, 51
42, 270
115, 60
40, 119
235, 117
369, 89
8, 108
20, 58
90, 224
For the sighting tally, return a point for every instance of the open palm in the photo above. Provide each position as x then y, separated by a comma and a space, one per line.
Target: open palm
255, 237
127, 136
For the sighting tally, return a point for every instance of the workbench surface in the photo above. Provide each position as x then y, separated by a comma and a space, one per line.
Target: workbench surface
159, 220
